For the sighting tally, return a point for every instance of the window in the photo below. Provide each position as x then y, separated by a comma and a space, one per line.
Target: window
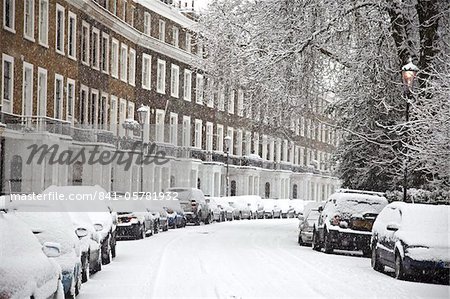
84, 93
105, 53
239, 142
7, 83
161, 77
159, 121
175, 81
210, 92
115, 58
186, 138
231, 102
59, 39
43, 22
28, 19
124, 62
221, 101
209, 136
175, 36
114, 8
188, 42
70, 104
58, 100
173, 128
122, 116
132, 16
124, 10
256, 143
146, 71
103, 112
132, 70
130, 110
41, 103
199, 89
95, 48
230, 132
72, 36
187, 85
93, 108
85, 43
198, 134
240, 103
113, 115
162, 30
248, 144
9, 7
27, 92
219, 142
147, 24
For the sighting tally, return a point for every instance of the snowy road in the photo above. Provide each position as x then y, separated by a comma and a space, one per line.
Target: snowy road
241, 259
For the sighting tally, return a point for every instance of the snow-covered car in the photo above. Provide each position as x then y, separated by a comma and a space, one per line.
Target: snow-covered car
306, 225
346, 220
134, 221
271, 209
175, 214
217, 214
287, 211
242, 209
412, 239
194, 205
27, 268
254, 204
159, 213
91, 257
55, 227
226, 207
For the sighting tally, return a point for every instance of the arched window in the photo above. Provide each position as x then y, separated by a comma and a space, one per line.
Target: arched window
16, 174
267, 190
77, 174
172, 181
294, 191
233, 188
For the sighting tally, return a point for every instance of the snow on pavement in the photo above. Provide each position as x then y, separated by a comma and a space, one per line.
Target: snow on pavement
242, 259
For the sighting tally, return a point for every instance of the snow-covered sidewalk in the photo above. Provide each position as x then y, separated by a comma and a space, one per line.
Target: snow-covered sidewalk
242, 259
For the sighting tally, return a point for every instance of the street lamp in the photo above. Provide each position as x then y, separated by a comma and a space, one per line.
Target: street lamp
409, 73
227, 147
142, 115
2, 129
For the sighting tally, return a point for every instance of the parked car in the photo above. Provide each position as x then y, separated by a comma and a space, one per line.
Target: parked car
159, 213
217, 214
55, 227
412, 239
27, 268
242, 209
306, 225
287, 211
346, 221
175, 214
194, 205
134, 221
271, 209
91, 257
226, 207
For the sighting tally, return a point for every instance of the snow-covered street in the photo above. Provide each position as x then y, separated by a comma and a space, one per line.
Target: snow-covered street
241, 259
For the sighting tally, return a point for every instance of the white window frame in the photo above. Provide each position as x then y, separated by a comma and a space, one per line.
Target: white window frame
221, 98
239, 135
240, 103
41, 98
94, 103
105, 61
124, 10
12, 16
162, 31
123, 63
113, 114
186, 138
83, 103
230, 132
173, 132
132, 67
43, 24
159, 125
175, 81
199, 89
85, 49
175, 36
115, 58
146, 78
58, 77
70, 110
103, 102
198, 130
9, 59
211, 92
147, 24
231, 101
27, 66
28, 35
73, 49
122, 115
95, 47
60, 8
220, 137
187, 88
209, 136
188, 43
161, 76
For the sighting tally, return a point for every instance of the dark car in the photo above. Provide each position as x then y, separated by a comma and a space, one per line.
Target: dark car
346, 221
412, 239
194, 205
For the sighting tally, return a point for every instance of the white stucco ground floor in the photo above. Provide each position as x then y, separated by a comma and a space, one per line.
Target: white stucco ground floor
30, 162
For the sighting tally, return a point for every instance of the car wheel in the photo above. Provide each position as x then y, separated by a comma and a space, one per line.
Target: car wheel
328, 247
85, 273
98, 267
141, 232
300, 241
315, 241
376, 265
399, 271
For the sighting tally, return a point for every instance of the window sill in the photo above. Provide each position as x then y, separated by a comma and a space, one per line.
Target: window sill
60, 52
12, 30
45, 45
29, 38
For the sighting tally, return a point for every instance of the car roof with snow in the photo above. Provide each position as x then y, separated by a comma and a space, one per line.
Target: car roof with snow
357, 203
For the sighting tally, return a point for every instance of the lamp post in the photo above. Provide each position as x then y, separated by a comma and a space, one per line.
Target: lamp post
142, 115
409, 73
2, 129
227, 147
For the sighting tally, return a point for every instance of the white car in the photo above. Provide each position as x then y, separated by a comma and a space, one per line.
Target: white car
242, 208
271, 209
226, 207
216, 212
412, 239
287, 211
26, 271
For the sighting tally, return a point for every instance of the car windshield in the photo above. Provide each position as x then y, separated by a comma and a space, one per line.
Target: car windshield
359, 205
